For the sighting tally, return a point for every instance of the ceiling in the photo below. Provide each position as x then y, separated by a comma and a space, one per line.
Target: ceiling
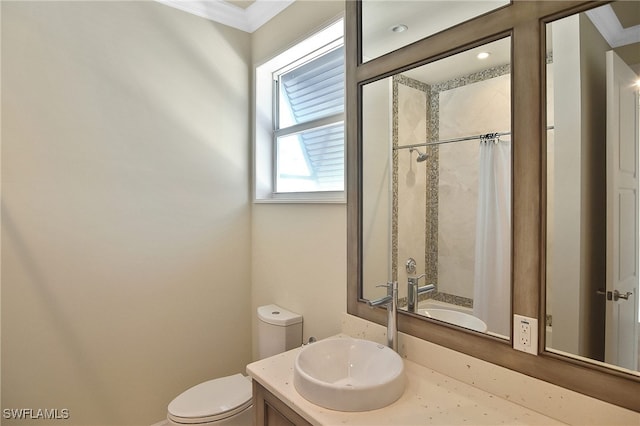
241, 3
627, 12
245, 15
618, 22
464, 63
420, 18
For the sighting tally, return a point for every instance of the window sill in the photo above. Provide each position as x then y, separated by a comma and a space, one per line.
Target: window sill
303, 198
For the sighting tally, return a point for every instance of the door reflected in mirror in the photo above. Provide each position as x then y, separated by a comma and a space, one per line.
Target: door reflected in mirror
437, 188
592, 185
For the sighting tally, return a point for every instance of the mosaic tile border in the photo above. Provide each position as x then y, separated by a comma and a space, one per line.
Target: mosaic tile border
397, 80
451, 299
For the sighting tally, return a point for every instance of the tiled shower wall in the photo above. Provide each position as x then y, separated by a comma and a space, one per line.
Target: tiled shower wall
434, 202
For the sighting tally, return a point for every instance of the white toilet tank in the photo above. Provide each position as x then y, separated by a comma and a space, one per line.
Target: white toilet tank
278, 330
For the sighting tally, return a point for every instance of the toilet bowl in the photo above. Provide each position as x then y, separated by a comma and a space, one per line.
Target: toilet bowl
223, 401
228, 400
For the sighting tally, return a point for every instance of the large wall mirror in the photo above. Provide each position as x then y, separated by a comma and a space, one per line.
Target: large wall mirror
419, 115
437, 188
592, 185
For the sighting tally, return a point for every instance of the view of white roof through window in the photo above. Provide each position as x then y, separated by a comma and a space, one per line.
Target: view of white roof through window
309, 136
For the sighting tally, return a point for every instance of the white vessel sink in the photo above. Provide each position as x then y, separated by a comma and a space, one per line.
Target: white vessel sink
455, 317
348, 374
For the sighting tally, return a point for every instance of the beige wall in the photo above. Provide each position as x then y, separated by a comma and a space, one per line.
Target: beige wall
578, 177
125, 207
376, 188
593, 76
299, 250
566, 179
412, 121
299, 263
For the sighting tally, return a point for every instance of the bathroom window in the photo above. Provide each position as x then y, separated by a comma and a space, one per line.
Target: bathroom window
299, 144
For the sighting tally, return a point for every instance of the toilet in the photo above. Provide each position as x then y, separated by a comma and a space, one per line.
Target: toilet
228, 400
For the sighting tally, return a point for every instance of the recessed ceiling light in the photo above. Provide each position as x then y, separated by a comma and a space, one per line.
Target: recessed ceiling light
483, 55
400, 28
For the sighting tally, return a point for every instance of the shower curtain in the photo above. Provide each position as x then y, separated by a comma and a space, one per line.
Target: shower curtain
492, 273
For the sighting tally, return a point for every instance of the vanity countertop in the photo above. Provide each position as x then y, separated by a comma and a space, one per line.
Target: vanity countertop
429, 398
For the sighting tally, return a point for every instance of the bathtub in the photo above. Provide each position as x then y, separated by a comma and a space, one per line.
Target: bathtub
453, 314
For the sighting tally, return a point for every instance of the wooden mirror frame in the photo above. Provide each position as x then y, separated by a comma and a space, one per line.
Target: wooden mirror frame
525, 22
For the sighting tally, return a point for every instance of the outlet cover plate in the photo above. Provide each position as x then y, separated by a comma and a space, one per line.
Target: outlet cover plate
525, 334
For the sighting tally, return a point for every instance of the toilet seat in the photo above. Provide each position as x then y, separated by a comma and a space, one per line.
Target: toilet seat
211, 401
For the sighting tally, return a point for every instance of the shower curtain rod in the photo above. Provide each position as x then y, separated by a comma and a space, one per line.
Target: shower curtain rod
465, 138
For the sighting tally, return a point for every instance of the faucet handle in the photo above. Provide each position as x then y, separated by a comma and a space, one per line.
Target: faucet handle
392, 293
388, 285
410, 265
391, 287
414, 280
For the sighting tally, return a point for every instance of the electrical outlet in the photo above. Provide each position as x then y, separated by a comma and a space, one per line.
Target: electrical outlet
525, 335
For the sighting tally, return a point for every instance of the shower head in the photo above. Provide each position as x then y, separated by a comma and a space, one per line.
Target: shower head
421, 155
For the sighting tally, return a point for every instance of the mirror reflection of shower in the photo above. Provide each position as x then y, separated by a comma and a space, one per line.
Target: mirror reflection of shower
442, 213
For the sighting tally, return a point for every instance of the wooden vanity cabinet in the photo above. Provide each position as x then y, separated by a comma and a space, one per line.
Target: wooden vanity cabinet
271, 411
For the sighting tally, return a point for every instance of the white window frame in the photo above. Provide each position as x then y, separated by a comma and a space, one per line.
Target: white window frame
264, 157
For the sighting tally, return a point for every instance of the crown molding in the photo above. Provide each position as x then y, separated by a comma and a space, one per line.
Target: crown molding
606, 21
248, 20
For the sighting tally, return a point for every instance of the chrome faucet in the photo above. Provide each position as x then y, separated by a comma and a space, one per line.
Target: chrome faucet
390, 301
413, 291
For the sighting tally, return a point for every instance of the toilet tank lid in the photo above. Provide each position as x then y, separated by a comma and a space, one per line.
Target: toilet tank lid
274, 314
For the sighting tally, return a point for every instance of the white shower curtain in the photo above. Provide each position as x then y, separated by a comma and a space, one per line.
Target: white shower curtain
492, 290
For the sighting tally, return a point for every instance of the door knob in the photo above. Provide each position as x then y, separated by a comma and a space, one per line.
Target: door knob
614, 295
617, 295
